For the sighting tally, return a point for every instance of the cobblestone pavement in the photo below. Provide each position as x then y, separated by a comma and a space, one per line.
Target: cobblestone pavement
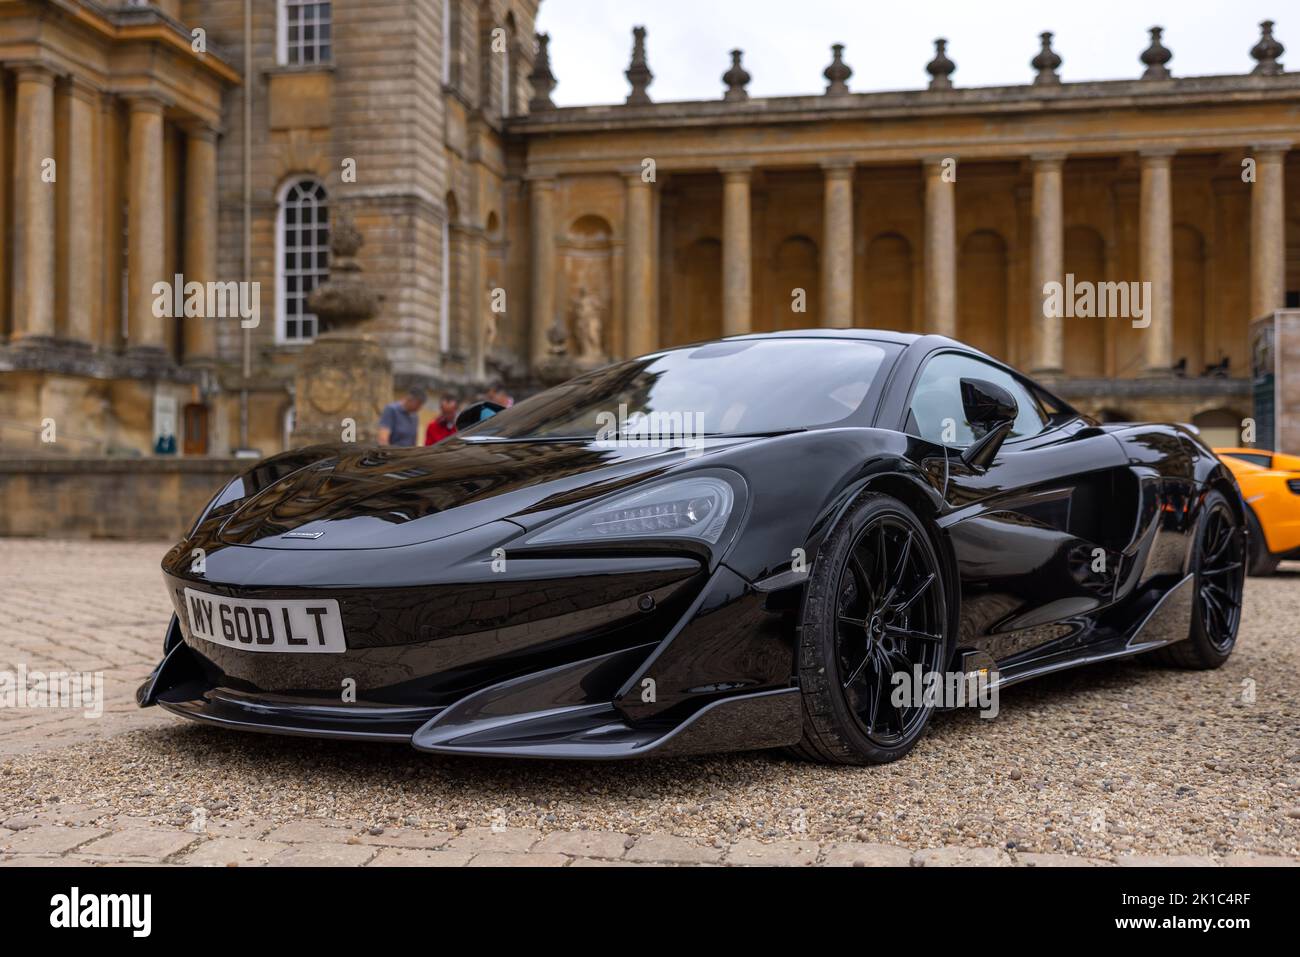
1119, 764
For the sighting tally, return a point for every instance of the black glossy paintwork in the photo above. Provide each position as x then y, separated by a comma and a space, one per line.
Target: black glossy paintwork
551, 656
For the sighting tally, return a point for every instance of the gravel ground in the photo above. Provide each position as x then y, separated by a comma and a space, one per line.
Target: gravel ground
1115, 759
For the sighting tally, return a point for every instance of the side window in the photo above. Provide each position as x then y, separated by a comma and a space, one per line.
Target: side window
936, 411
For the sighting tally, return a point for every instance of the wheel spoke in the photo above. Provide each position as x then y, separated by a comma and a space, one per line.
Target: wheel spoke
912, 633
1221, 570
875, 699
1221, 542
898, 575
901, 607
863, 579
854, 622
1215, 609
857, 672
1227, 595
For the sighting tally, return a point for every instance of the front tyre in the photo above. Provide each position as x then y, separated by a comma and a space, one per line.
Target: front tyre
1219, 561
875, 607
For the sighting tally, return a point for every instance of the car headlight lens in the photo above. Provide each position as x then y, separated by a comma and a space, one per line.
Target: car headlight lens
696, 507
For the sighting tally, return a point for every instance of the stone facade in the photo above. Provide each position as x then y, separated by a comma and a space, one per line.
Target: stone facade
187, 159
510, 238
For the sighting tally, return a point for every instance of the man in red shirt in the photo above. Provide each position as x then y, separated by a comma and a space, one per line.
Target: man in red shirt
445, 424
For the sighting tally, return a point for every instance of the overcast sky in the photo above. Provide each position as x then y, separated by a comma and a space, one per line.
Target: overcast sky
787, 42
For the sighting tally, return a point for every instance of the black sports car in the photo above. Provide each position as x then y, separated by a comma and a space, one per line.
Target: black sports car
725, 546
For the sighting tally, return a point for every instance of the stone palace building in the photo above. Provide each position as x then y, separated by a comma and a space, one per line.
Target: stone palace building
218, 140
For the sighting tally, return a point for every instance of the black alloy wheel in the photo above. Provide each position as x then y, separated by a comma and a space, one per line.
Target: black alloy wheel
889, 621
1219, 577
876, 608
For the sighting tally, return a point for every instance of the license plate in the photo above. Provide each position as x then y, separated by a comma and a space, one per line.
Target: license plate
302, 627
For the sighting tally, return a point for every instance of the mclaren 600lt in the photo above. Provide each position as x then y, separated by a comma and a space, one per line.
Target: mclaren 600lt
735, 545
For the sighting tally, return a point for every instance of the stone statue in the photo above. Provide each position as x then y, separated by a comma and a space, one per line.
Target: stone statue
588, 313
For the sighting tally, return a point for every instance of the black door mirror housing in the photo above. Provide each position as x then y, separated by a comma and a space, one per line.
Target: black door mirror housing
991, 409
472, 415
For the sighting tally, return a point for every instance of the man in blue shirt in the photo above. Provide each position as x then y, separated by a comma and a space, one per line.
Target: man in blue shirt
400, 421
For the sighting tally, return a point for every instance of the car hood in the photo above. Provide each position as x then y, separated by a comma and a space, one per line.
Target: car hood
374, 497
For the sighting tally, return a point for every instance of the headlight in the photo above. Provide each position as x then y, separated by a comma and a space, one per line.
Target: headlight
696, 507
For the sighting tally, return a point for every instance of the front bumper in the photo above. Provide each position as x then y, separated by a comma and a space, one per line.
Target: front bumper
527, 671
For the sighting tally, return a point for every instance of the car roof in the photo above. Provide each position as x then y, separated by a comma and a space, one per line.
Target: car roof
879, 335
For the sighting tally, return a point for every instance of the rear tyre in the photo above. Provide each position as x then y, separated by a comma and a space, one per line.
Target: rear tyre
1262, 561
875, 607
1219, 561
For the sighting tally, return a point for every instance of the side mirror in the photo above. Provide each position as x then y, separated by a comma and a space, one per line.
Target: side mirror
472, 415
992, 410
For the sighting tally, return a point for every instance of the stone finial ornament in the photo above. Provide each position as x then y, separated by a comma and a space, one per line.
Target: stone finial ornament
1046, 63
344, 299
638, 72
940, 68
1266, 52
542, 79
737, 78
838, 73
1156, 56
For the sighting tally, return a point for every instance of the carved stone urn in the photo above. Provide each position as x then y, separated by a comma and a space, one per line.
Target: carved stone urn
344, 378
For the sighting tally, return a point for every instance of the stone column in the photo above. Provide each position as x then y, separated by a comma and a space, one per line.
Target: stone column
34, 207
1047, 333
1156, 259
84, 256
1268, 229
837, 246
5, 178
641, 335
199, 335
542, 202
940, 251
146, 333
737, 254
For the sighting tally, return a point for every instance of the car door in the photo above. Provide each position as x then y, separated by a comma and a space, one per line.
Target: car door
1037, 534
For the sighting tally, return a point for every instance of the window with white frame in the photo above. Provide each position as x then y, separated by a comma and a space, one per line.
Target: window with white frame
302, 256
305, 33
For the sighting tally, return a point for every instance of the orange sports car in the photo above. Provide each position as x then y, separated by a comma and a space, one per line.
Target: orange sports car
1270, 486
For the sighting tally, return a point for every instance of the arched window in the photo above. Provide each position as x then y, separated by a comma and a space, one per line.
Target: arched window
305, 32
302, 256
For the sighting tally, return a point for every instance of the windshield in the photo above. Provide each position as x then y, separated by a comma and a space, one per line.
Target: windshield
722, 388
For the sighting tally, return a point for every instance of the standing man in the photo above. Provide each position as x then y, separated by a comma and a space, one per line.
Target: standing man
497, 393
400, 422
445, 424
